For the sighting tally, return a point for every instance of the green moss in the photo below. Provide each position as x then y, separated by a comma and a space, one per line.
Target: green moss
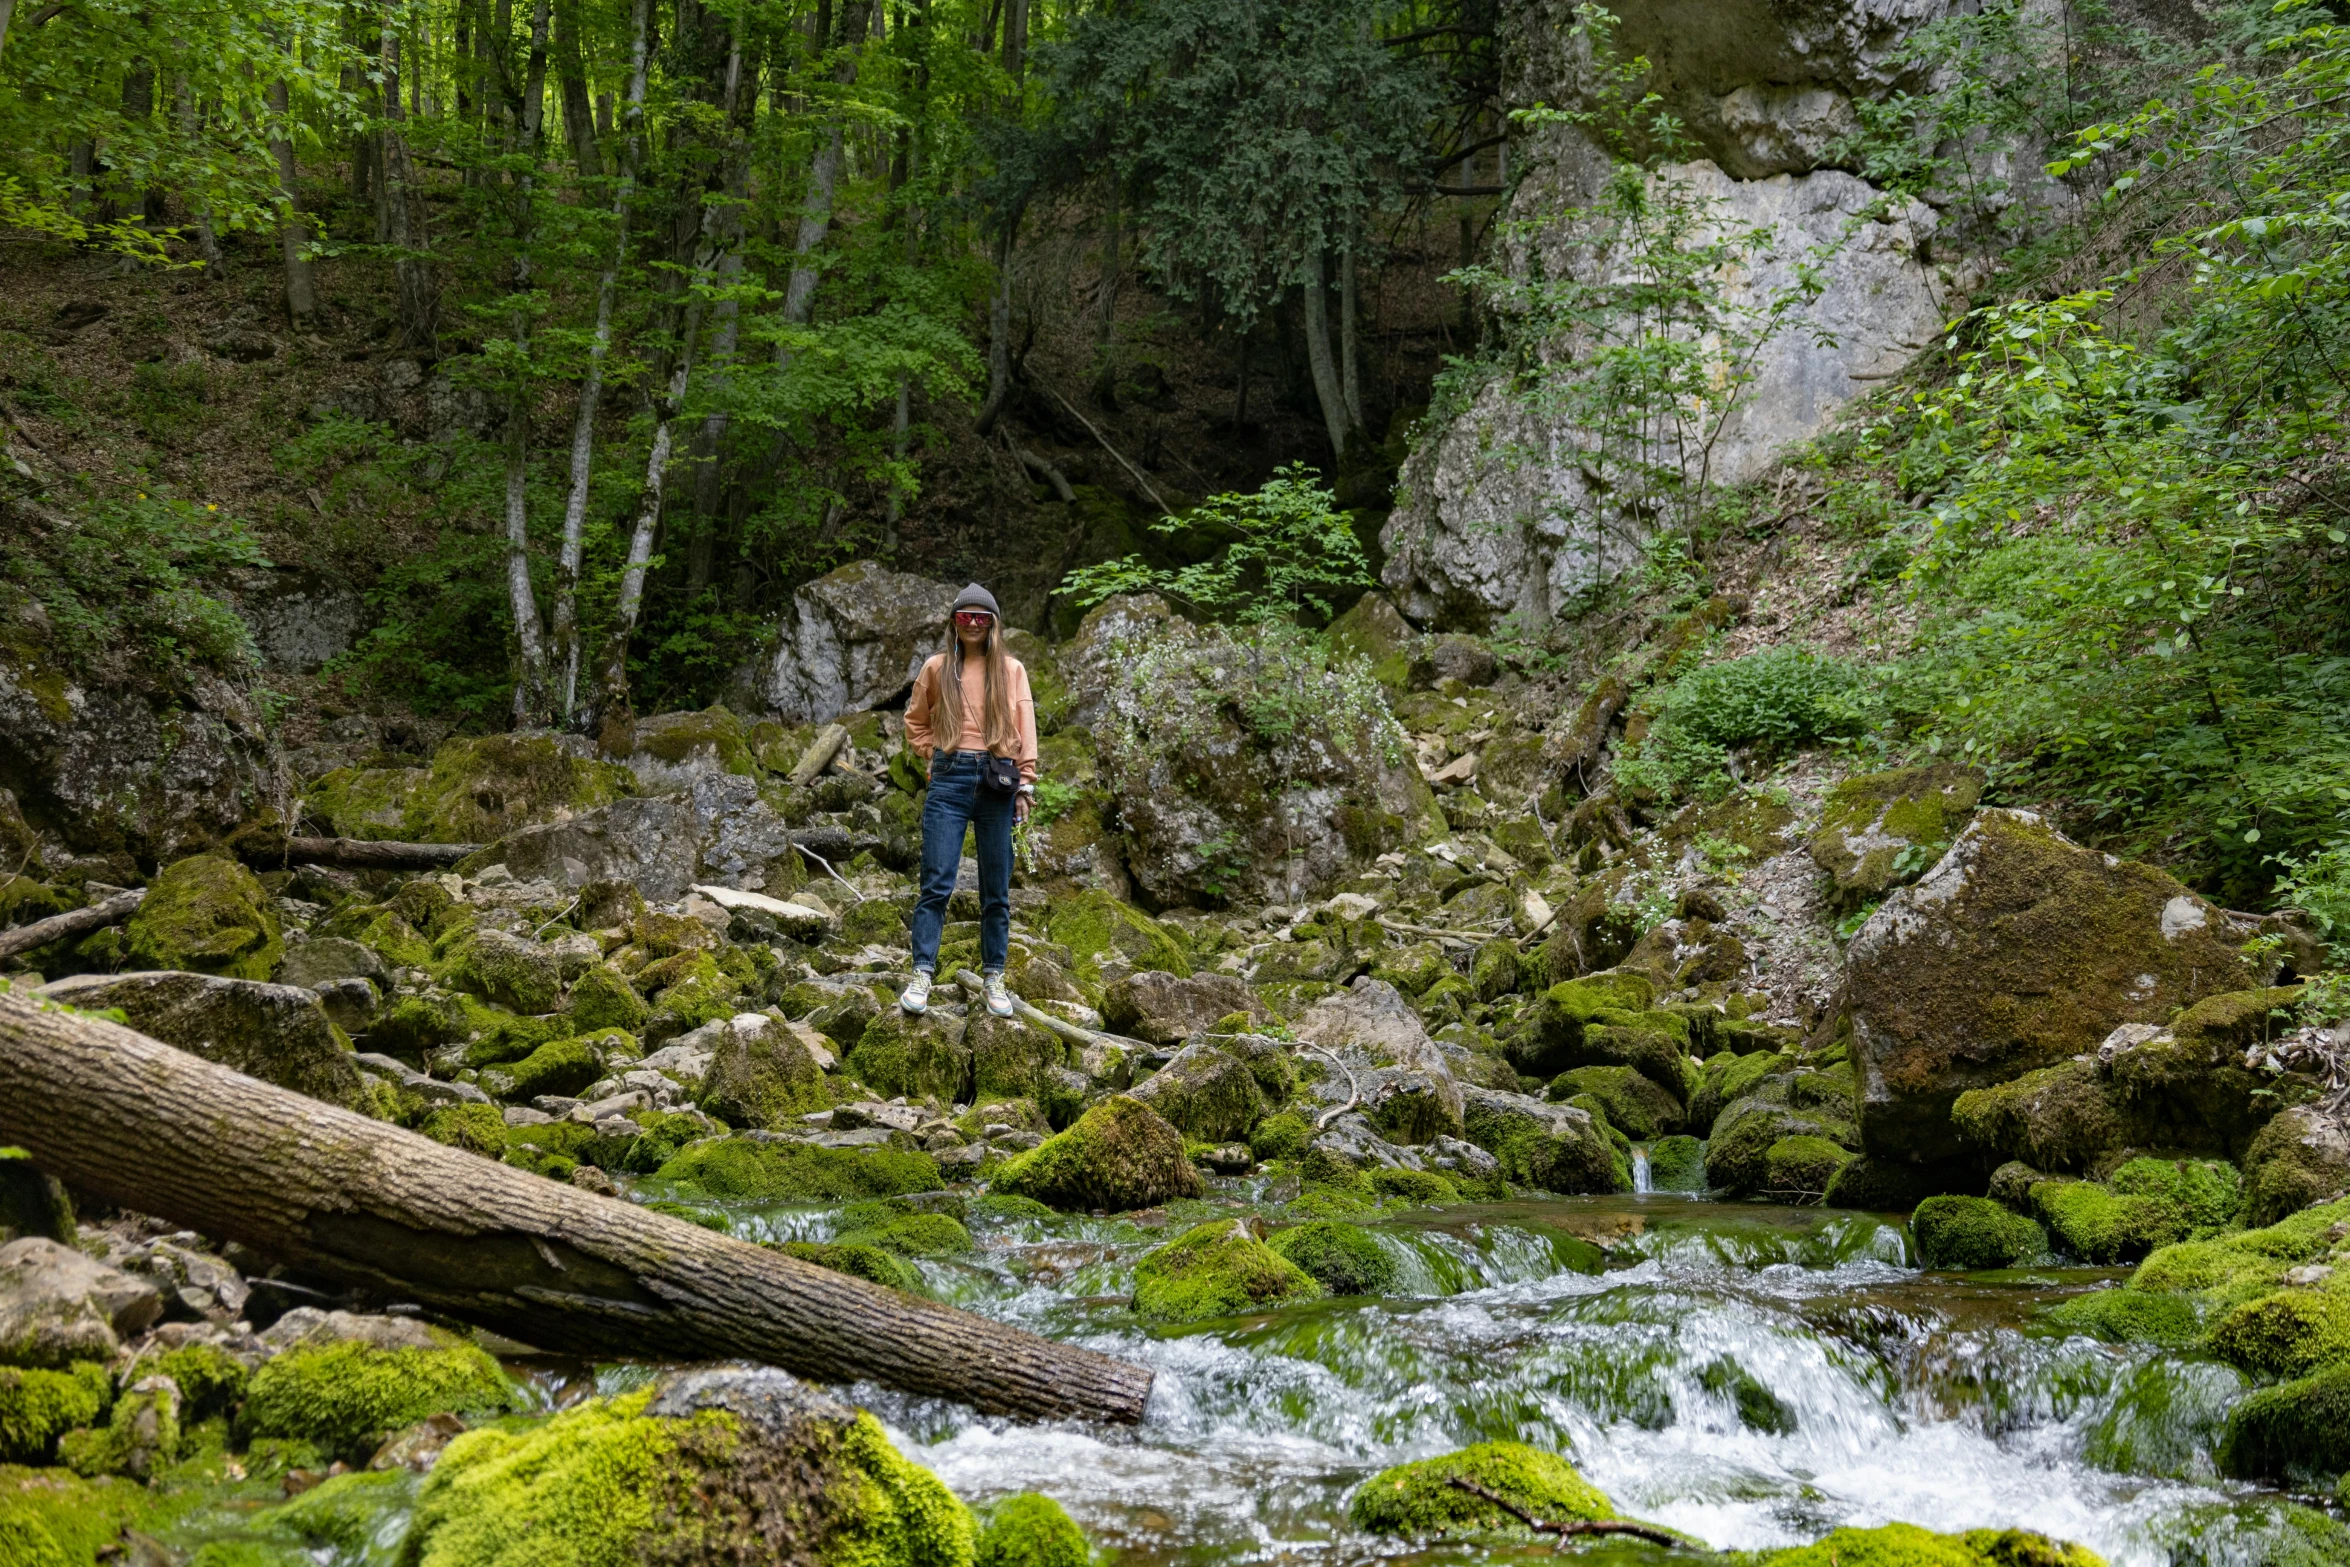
1759, 1409
603, 998
677, 737
1119, 1155
1419, 1499
344, 1513
518, 975
1419, 1188
1281, 1136
1004, 1208
484, 787
2128, 1316
2288, 1334
1328, 1200
56, 1519
364, 802
1883, 828
770, 1172
38, 1407
1726, 1079
210, 1379
1635, 1106
2295, 1431
915, 1056
1216, 1270
1676, 1164
1907, 1545
2060, 1117
869, 1263
1969, 1234
1556, 1154
348, 1396
560, 1066
2099, 1225
208, 915
904, 1233
1029, 1530
1344, 1259
2204, 1193
143, 1435
1097, 928
476, 1128
1802, 1167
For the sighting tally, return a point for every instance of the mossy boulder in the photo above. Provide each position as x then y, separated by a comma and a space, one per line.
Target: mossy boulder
900, 1053
1206, 1093
206, 914
740, 1167
278, 1033
1012, 1059
2060, 1118
1553, 1147
1099, 929
483, 787
560, 1066
1883, 828
2127, 1316
141, 1436
2296, 1432
1419, 1500
1120, 1155
1971, 1234
1345, 1259
761, 1074
1636, 1106
1907, 1545
1726, 1078
713, 737
870, 1263
895, 1226
505, 970
711, 1465
345, 1395
2299, 1159
1801, 1168
2018, 950
1738, 1148
38, 1407
2286, 1334
1029, 1530
2149, 1204
602, 997
1676, 1164
1566, 1008
1219, 1269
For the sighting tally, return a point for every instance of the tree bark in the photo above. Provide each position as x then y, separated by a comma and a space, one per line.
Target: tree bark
531, 696
301, 291
358, 854
999, 332
184, 111
1105, 380
73, 922
419, 302
579, 120
159, 1131
1326, 387
7, 9
591, 391
1349, 374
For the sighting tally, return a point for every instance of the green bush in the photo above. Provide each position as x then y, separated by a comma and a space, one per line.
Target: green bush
1770, 702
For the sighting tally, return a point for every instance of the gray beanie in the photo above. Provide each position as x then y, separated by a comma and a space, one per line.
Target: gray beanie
977, 597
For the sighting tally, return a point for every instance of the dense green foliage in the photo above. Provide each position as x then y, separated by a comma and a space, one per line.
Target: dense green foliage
1288, 551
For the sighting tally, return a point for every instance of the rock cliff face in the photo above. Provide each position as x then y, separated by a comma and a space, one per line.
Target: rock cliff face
1496, 517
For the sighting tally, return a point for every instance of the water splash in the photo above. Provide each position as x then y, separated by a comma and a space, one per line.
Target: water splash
1640, 1186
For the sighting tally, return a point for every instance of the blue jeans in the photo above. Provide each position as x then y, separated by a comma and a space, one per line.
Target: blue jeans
955, 801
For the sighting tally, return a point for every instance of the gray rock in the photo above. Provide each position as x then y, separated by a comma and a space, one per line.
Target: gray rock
651, 844
278, 1033
852, 640
1165, 1009
58, 1306
432, 1090
308, 1327
322, 960
1405, 1085
774, 1405
350, 1004
1206, 1094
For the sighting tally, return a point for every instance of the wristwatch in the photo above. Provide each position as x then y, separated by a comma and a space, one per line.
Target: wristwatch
1027, 788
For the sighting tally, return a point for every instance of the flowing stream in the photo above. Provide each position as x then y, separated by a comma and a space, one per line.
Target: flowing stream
1752, 1375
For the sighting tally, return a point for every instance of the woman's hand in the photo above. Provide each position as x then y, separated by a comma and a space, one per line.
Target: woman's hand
1020, 804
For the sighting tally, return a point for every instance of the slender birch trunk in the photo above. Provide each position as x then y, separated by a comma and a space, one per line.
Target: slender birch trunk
1350, 374
184, 112
1326, 387
531, 705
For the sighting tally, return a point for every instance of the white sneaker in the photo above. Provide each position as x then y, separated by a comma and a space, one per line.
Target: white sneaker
999, 1000
916, 997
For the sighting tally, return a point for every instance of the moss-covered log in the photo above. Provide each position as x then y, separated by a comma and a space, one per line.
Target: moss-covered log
358, 854
140, 1124
73, 922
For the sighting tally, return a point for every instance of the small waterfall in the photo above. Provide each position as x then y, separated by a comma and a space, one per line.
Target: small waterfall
1640, 1168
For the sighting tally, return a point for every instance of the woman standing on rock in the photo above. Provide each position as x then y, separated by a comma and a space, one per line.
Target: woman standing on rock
972, 716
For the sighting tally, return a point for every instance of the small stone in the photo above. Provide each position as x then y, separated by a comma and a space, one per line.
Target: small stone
588, 1178
1228, 1159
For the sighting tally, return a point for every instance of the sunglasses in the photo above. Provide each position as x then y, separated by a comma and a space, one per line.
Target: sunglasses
973, 617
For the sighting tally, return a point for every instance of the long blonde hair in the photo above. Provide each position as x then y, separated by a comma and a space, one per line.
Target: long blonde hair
996, 728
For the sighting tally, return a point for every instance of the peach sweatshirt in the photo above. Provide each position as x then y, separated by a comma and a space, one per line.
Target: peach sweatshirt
922, 741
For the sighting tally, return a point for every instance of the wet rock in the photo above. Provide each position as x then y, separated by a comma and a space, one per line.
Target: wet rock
1974, 1233
277, 1033
346, 1382
852, 640
1220, 1269
58, 1306
420, 1446
1209, 1095
1881, 828
761, 1074
508, 971
1419, 1500
209, 915
2018, 950
1120, 1155
1165, 1009
903, 1054
1635, 1106
1012, 1058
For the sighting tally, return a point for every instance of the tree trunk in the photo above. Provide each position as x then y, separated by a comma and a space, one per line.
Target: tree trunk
301, 292
579, 122
419, 302
1326, 387
356, 854
1105, 380
138, 103
73, 922
591, 391
1240, 396
613, 699
739, 105
1349, 373
184, 111
150, 1128
999, 332
531, 700
7, 9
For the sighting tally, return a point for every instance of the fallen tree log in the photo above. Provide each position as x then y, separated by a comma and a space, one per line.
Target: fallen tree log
73, 922
150, 1128
356, 854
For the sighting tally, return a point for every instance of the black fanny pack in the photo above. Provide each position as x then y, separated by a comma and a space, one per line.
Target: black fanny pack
1001, 774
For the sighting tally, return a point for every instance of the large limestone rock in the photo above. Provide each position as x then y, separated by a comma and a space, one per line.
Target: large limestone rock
207, 914
1245, 765
1120, 1155
763, 1072
1208, 1094
477, 790
648, 843
852, 640
277, 1033
1875, 827
2018, 950
1556, 1147
1398, 1076
58, 1306
1164, 1009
